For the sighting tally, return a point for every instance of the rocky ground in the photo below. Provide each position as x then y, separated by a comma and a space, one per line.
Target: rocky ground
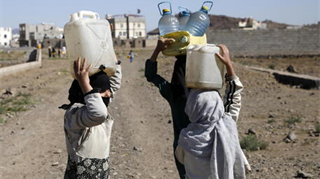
32, 141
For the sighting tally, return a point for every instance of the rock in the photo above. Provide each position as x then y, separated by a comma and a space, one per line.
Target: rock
251, 131
291, 69
57, 151
55, 164
311, 134
271, 116
137, 149
9, 115
302, 174
291, 137
10, 92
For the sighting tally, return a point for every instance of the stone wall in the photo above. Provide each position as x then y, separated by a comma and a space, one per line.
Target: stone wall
268, 42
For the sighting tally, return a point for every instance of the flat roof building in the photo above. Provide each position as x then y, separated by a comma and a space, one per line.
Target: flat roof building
5, 36
127, 26
31, 35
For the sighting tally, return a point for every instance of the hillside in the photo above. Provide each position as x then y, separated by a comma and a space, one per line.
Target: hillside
312, 26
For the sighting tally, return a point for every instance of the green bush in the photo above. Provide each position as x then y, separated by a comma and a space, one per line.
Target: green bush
293, 120
2, 120
272, 66
271, 121
16, 104
317, 128
252, 143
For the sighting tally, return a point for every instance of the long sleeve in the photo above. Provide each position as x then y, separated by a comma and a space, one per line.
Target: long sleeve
157, 80
232, 98
115, 81
80, 116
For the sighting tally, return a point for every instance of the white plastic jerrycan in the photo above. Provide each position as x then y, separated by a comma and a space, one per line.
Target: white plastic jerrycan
88, 36
203, 69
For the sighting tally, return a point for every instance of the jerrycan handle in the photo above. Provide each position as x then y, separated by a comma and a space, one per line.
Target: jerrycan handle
195, 47
164, 2
208, 2
181, 8
90, 14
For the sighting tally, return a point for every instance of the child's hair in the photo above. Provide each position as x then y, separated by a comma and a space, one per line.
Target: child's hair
98, 81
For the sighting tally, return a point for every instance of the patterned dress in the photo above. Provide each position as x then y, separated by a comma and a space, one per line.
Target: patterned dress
87, 168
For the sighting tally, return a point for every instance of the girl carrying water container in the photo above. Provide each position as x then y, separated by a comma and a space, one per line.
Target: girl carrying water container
209, 146
87, 122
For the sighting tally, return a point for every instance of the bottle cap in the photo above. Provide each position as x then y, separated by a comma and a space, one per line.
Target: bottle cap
166, 11
185, 13
205, 8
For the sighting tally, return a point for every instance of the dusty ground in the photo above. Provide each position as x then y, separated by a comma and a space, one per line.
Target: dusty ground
32, 142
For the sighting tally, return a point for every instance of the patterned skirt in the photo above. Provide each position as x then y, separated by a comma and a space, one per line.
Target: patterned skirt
87, 168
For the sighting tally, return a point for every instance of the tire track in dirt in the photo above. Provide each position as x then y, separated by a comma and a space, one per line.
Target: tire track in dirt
142, 138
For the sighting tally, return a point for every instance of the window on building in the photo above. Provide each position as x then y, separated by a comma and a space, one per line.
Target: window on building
121, 25
120, 33
5, 36
5, 44
124, 33
140, 34
138, 25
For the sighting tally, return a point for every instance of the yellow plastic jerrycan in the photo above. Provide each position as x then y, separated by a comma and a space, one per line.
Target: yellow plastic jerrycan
203, 69
183, 40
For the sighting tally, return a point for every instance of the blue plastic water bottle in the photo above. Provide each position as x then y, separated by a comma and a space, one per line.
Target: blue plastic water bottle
184, 16
199, 21
168, 23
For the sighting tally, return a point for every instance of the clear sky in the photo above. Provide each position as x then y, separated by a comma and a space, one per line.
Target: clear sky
294, 12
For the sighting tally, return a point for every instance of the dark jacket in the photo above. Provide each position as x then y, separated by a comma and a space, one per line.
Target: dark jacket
175, 93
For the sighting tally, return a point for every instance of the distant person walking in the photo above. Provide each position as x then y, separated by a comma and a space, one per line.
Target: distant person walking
49, 51
131, 56
59, 52
53, 52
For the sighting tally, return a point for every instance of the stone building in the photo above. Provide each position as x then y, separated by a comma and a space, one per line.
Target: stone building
5, 36
31, 35
127, 26
251, 24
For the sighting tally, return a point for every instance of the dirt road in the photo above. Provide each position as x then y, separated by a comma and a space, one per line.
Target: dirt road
32, 143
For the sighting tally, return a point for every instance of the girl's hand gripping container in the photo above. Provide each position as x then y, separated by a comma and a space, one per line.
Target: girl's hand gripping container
203, 69
88, 36
182, 40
